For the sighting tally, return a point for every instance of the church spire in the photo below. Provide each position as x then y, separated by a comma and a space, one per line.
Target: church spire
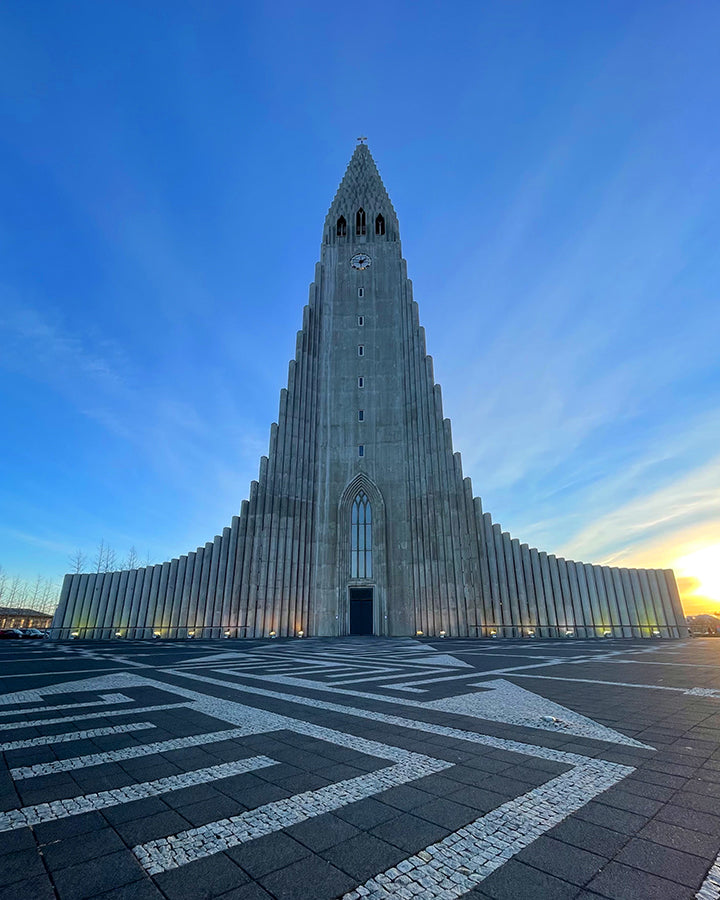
361, 191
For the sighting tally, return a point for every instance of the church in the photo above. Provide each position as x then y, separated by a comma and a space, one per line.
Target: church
360, 521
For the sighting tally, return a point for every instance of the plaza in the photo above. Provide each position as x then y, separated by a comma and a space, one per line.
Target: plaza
360, 767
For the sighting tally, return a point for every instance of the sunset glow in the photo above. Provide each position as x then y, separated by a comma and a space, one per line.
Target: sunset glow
698, 576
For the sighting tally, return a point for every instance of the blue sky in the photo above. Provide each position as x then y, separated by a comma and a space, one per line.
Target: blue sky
165, 171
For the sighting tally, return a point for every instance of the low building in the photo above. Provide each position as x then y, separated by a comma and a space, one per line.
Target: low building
15, 617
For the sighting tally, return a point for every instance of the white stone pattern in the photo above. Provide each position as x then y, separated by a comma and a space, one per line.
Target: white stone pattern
502, 702
102, 714
710, 888
96, 759
105, 700
196, 843
456, 865
60, 809
439, 872
75, 736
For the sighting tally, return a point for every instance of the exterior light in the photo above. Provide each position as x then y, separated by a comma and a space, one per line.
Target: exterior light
530, 633
442, 633
300, 633
156, 634
75, 634
273, 634
191, 634
118, 634
607, 634
227, 634
493, 634
656, 633
418, 634
569, 632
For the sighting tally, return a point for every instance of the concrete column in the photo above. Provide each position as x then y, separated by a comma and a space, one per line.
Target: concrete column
176, 608
620, 625
524, 620
62, 607
549, 597
617, 584
582, 629
541, 622
507, 630
497, 620
597, 616
530, 621
515, 619
590, 630
675, 599
125, 612
655, 611
662, 591
570, 617
487, 603
135, 603
633, 611
561, 616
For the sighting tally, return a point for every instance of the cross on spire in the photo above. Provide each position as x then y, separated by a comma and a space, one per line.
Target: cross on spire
361, 140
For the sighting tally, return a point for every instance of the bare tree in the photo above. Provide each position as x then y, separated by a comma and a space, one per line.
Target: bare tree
105, 558
3, 585
78, 561
131, 561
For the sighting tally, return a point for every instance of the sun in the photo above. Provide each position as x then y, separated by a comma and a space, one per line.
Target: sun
703, 566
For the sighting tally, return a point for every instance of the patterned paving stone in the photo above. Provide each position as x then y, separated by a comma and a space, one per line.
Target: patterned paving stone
363, 768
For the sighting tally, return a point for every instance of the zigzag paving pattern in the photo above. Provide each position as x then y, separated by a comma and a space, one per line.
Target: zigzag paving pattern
360, 768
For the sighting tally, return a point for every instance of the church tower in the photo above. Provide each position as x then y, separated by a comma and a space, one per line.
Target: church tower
360, 521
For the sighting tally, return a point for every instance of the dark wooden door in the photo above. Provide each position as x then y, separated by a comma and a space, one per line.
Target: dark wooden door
361, 610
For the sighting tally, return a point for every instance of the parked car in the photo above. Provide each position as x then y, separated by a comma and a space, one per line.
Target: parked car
32, 633
10, 633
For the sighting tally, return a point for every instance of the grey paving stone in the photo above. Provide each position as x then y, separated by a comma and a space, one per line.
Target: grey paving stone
622, 882
364, 856
517, 881
291, 883
150, 827
136, 890
410, 832
266, 854
588, 836
38, 888
247, 892
562, 860
322, 832
674, 865
200, 880
21, 839
210, 810
448, 813
20, 865
88, 879
367, 813
77, 849
706, 846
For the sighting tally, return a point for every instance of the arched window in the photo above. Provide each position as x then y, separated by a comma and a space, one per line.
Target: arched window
360, 221
360, 538
341, 227
379, 225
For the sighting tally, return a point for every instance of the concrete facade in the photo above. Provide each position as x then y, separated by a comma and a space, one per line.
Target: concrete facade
361, 435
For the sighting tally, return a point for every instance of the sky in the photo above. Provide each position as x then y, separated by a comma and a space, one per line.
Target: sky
165, 171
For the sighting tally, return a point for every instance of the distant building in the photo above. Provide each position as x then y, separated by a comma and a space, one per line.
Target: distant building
12, 617
361, 521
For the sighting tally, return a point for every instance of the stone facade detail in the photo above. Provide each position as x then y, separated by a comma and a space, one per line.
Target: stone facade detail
362, 417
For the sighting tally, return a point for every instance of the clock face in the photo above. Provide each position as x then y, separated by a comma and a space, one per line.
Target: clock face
360, 261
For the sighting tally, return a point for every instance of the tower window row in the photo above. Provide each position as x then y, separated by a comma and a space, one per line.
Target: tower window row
360, 224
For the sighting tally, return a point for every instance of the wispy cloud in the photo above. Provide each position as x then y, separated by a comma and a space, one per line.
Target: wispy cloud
691, 499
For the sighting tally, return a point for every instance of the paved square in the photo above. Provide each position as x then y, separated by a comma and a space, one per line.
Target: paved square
360, 767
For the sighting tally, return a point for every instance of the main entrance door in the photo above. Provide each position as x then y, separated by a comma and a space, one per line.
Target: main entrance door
361, 610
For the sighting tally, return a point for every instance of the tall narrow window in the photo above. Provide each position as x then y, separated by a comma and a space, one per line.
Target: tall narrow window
361, 350
341, 227
379, 225
361, 415
361, 381
361, 449
361, 292
361, 320
360, 221
360, 538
